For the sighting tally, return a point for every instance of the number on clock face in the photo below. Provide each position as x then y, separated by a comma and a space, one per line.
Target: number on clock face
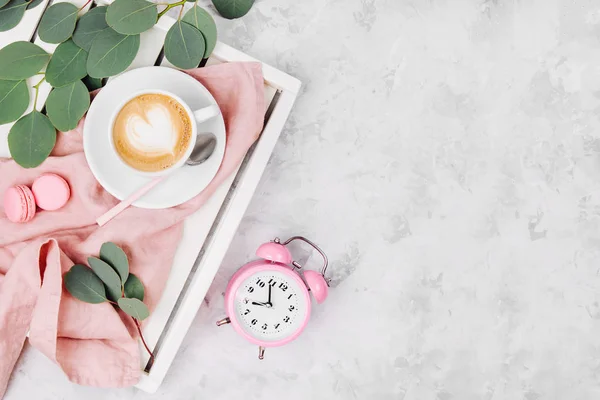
270, 305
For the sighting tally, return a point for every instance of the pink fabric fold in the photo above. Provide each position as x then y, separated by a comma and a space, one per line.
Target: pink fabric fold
93, 343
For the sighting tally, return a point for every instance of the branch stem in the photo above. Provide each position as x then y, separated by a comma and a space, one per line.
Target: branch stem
37, 91
137, 324
83, 6
171, 5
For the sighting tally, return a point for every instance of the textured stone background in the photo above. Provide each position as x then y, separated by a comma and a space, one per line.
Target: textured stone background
445, 153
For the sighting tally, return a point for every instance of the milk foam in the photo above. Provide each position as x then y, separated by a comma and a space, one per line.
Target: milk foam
152, 132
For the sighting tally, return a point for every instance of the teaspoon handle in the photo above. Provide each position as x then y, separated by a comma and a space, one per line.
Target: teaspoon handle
116, 210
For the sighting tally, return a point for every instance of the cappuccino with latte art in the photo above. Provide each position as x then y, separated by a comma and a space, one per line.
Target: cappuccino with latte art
152, 132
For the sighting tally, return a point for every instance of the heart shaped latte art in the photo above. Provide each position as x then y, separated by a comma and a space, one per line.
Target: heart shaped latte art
152, 131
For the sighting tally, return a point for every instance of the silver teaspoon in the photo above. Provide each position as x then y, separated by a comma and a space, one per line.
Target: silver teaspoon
203, 149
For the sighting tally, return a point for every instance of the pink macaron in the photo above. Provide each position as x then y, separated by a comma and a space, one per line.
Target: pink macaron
51, 192
19, 204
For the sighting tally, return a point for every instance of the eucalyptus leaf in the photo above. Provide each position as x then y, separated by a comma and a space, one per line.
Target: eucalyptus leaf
67, 64
184, 45
84, 285
11, 14
231, 9
111, 53
134, 308
31, 139
21, 60
204, 22
116, 258
67, 104
14, 99
3, 3
134, 288
92, 83
33, 4
89, 26
58, 22
130, 17
108, 276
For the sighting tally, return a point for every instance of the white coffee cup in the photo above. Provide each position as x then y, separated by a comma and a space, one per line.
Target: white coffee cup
199, 116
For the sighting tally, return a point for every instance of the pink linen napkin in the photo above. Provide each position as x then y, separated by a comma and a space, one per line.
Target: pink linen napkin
93, 343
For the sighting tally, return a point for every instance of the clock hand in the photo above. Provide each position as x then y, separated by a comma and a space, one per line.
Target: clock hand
269, 301
257, 303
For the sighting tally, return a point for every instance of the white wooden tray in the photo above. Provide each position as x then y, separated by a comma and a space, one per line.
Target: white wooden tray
208, 232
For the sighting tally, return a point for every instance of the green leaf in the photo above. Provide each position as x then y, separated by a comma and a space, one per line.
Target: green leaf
67, 64
231, 9
14, 99
3, 3
204, 22
184, 45
130, 17
108, 276
116, 257
89, 26
111, 53
134, 288
92, 83
67, 104
11, 14
21, 60
134, 308
58, 23
33, 4
81, 282
31, 139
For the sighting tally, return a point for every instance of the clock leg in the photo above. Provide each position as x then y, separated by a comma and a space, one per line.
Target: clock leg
223, 321
261, 352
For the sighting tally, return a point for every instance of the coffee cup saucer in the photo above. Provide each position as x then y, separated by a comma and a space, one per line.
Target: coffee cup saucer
182, 184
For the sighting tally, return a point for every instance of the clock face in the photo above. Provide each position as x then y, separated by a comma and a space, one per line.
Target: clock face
270, 305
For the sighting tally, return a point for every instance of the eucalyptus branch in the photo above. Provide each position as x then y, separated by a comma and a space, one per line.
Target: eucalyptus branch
37, 91
171, 5
108, 277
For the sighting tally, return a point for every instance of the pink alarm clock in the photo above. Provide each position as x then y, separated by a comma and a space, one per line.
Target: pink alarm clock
267, 301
